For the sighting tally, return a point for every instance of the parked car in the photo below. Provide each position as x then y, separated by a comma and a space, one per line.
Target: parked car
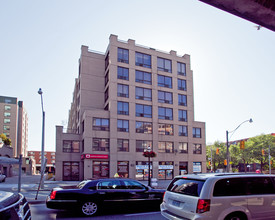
92, 196
14, 206
2, 178
220, 196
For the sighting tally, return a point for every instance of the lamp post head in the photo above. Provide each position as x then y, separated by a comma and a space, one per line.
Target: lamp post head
250, 120
40, 91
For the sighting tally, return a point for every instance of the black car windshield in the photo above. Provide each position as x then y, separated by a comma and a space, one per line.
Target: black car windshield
186, 186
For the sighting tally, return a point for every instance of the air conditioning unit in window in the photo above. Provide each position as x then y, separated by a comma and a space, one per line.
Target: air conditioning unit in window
167, 101
167, 117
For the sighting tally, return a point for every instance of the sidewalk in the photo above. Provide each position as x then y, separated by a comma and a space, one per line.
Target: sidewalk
30, 184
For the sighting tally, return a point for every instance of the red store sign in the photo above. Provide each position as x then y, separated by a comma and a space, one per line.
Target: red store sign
94, 156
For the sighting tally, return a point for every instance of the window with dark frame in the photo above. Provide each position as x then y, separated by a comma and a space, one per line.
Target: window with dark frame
122, 73
183, 148
100, 144
143, 77
101, 124
165, 113
143, 94
164, 65
165, 147
182, 84
71, 146
122, 125
122, 55
165, 129
165, 81
182, 100
183, 130
197, 149
144, 111
165, 97
141, 145
197, 132
181, 69
122, 145
143, 60
122, 108
144, 127
182, 115
123, 90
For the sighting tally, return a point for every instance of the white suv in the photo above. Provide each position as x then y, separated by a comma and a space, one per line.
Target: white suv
227, 196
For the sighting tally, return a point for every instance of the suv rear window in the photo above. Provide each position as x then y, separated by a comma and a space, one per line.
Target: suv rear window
186, 186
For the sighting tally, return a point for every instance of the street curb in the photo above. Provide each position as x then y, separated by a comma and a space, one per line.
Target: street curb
35, 202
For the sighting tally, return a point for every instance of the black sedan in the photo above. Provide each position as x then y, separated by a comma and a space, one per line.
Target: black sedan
91, 196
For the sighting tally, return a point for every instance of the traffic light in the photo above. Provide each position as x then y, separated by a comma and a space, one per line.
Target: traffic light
209, 163
217, 151
225, 162
242, 145
263, 152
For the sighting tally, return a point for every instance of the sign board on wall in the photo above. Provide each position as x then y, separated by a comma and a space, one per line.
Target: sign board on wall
196, 167
94, 156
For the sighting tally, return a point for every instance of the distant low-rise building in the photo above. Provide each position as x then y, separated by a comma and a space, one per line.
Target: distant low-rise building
36, 156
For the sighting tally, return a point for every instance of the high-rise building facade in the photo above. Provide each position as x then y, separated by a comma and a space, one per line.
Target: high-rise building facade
14, 124
126, 100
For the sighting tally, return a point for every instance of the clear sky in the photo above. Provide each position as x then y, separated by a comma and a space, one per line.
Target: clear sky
233, 63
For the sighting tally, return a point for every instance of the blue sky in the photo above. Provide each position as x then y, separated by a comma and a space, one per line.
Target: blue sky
232, 62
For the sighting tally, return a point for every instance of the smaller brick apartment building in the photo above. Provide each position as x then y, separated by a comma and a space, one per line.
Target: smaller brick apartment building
50, 155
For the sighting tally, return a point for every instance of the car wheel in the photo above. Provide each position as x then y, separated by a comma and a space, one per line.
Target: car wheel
236, 216
89, 208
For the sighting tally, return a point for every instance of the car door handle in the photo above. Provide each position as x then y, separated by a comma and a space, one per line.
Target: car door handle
102, 192
133, 193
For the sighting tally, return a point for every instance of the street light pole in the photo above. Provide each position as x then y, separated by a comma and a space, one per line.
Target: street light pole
43, 141
227, 142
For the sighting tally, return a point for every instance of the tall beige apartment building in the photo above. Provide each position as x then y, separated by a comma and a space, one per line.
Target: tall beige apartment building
125, 100
14, 124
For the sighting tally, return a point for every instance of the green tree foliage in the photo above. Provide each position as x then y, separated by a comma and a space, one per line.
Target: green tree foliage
7, 141
251, 154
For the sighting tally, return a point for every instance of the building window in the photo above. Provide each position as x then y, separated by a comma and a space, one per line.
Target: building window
122, 55
144, 127
182, 115
197, 149
182, 69
7, 107
143, 77
142, 145
6, 127
70, 171
142, 168
165, 147
165, 81
183, 130
123, 90
122, 125
122, 145
166, 170
165, 97
164, 65
123, 169
143, 60
7, 121
182, 100
183, 168
7, 114
144, 111
107, 61
122, 73
101, 124
165, 113
100, 144
143, 94
71, 146
122, 108
100, 169
196, 132
165, 129
183, 148
182, 84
